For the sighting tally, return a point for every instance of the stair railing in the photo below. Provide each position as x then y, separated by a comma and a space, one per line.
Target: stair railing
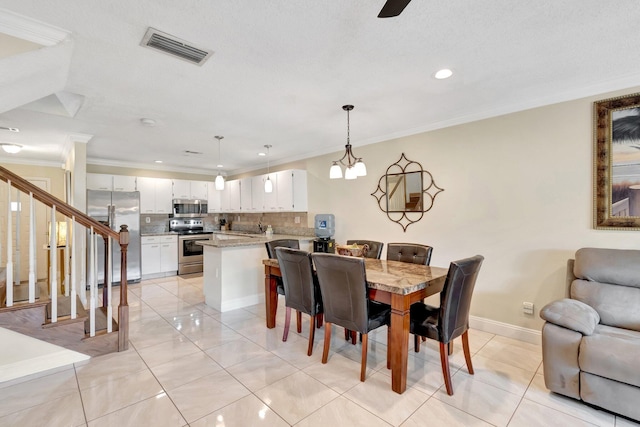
95, 228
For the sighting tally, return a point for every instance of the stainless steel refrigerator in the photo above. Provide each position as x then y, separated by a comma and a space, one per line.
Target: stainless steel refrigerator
115, 208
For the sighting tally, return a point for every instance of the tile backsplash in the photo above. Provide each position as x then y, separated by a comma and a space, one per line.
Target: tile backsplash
294, 223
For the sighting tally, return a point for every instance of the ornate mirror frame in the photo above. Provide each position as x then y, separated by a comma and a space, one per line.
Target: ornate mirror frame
399, 180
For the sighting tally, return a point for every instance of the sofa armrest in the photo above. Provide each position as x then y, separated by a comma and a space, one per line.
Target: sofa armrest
571, 314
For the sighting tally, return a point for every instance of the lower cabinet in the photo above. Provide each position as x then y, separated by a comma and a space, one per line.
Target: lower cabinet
159, 255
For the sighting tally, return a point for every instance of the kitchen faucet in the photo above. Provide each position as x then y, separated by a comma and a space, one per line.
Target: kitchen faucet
260, 227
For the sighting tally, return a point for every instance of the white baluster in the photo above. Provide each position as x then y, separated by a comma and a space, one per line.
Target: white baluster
73, 267
32, 250
16, 272
9, 270
92, 284
109, 268
53, 261
82, 291
66, 259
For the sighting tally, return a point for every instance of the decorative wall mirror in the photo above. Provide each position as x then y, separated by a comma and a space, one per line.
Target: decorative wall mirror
405, 192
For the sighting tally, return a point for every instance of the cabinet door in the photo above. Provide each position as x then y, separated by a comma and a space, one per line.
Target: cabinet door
232, 188
169, 254
213, 199
246, 201
199, 190
99, 181
147, 189
164, 203
257, 193
181, 189
284, 196
124, 183
300, 193
150, 254
271, 199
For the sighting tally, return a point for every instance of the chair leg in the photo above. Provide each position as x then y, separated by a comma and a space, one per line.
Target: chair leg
388, 347
312, 333
287, 321
416, 343
450, 347
347, 334
299, 321
444, 361
363, 363
467, 353
354, 334
319, 320
327, 342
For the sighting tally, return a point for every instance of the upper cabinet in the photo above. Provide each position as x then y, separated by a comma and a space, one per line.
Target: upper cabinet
246, 200
214, 199
155, 195
184, 189
231, 196
291, 194
99, 181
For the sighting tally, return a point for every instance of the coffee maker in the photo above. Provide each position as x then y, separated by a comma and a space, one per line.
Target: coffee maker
324, 229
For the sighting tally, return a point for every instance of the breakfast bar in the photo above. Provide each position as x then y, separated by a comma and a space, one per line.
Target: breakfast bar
395, 283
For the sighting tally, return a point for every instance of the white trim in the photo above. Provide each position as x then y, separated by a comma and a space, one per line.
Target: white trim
29, 162
31, 30
79, 137
148, 166
244, 302
506, 330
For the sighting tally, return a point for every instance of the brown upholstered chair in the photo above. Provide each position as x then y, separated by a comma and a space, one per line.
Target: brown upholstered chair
451, 319
343, 284
409, 252
301, 288
271, 253
375, 248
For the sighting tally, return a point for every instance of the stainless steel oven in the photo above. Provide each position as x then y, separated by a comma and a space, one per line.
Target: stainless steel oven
190, 255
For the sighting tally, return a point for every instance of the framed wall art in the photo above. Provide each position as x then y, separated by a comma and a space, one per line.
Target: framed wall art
617, 163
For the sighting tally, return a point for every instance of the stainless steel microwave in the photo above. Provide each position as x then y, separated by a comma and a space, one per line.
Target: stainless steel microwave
187, 208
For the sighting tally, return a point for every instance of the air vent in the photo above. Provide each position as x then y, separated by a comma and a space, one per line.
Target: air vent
192, 153
174, 46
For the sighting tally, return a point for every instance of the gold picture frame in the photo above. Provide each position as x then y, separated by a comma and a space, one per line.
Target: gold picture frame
617, 163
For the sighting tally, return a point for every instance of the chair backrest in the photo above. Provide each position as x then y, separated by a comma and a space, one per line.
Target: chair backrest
409, 252
343, 283
301, 290
375, 248
455, 298
286, 243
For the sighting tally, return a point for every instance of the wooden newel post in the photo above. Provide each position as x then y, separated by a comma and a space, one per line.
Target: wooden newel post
123, 308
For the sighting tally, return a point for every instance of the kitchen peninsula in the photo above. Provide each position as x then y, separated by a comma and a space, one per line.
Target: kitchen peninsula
233, 272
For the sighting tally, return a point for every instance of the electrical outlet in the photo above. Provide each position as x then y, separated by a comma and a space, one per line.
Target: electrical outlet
238, 218
147, 220
297, 220
527, 307
215, 219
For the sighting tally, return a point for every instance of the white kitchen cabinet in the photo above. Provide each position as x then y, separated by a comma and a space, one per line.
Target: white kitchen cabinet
231, 196
291, 195
191, 190
155, 195
214, 199
257, 193
159, 255
246, 201
124, 183
99, 181
270, 199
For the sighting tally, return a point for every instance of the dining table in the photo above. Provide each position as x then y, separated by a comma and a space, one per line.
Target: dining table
396, 283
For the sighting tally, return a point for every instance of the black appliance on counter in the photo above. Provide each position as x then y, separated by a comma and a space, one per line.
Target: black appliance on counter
324, 228
190, 255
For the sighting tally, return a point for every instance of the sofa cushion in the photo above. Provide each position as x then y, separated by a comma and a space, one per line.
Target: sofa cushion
616, 266
571, 314
611, 353
616, 305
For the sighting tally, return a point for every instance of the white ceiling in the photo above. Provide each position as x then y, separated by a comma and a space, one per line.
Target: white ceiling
282, 70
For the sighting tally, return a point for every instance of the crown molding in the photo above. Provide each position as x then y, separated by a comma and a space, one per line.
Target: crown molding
158, 167
31, 30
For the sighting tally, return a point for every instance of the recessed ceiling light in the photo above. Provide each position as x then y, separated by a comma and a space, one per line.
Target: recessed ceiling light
9, 129
147, 122
261, 154
11, 148
445, 73
158, 161
220, 166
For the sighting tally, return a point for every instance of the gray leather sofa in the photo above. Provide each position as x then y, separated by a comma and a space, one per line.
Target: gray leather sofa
591, 340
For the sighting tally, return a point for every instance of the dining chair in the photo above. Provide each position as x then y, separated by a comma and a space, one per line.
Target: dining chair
301, 289
375, 248
271, 253
451, 319
343, 284
409, 252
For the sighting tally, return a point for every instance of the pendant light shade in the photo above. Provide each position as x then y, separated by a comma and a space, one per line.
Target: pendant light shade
355, 167
219, 178
268, 184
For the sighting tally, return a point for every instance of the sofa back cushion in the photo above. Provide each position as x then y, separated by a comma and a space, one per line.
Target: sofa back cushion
609, 281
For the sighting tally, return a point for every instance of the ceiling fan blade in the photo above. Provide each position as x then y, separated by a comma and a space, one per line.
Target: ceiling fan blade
393, 8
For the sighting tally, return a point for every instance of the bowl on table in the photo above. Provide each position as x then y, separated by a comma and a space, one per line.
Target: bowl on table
352, 250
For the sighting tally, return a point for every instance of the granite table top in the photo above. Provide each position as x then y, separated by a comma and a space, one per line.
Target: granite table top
235, 239
395, 276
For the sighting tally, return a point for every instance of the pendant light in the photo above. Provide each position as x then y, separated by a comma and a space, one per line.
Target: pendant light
219, 178
355, 167
268, 184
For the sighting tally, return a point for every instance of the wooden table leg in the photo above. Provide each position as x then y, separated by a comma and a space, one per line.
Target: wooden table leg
399, 342
270, 297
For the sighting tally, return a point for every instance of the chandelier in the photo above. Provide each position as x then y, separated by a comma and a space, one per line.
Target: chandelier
355, 167
268, 185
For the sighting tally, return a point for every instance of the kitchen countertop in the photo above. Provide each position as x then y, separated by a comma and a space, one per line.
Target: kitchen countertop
160, 233
246, 239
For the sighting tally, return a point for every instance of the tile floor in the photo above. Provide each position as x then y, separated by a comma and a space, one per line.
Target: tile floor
191, 365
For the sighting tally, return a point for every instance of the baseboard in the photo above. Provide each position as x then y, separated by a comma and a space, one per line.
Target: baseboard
237, 303
505, 329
